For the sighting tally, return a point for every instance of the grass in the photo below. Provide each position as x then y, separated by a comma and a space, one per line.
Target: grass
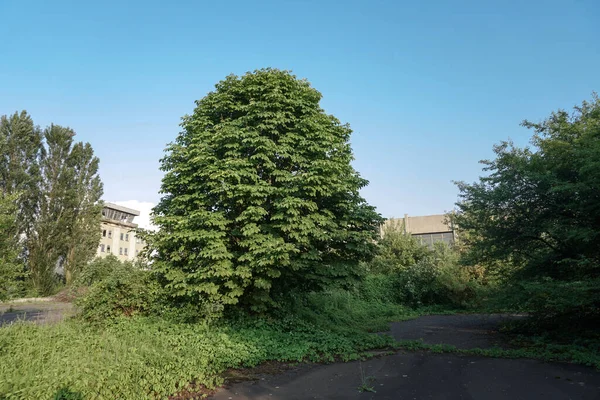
366, 381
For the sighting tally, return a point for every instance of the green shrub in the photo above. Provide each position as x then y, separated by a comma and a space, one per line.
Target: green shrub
99, 269
116, 288
555, 305
436, 278
381, 288
396, 251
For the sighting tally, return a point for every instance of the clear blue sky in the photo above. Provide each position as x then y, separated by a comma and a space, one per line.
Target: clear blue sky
427, 86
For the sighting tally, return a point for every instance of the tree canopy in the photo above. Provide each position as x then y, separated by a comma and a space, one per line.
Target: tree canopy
54, 184
260, 198
539, 206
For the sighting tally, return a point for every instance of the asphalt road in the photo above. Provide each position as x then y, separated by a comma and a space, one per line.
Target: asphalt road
421, 375
40, 312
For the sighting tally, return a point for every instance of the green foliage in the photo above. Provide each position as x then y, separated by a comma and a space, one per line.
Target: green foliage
381, 288
565, 307
260, 199
99, 269
412, 274
148, 358
396, 251
20, 151
344, 310
11, 268
537, 211
115, 289
67, 225
66, 394
438, 278
57, 189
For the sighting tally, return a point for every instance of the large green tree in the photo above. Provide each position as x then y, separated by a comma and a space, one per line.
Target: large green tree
260, 199
540, 206
537, 212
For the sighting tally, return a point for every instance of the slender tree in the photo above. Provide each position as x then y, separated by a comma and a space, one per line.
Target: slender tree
260, 199
67, 225
83, 211
11, 268
20, 150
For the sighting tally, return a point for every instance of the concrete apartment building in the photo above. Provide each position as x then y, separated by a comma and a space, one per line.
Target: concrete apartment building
428, 229
118, 237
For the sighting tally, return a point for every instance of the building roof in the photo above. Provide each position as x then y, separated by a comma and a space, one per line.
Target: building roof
121, 208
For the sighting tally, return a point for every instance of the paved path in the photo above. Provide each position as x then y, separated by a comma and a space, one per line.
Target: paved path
421, 375
466, 331
39, 312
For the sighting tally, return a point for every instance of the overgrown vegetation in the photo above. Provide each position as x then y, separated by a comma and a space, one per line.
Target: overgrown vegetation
115, 288
409, 273
142, 357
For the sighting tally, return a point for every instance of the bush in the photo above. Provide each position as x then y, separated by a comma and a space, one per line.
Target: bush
116, 288
99, 269
434, 278
438, 279
555, 305
396, 251
381, 288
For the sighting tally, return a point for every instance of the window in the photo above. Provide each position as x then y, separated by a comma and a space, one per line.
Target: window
127, 237
121, 236
108, 249
120, 251
137, 252
109, 234
102, 248
104, 233
125, 251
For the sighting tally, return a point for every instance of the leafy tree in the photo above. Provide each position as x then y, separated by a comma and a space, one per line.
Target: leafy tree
538, 209
397, 250
20, 149
260, 199
67, 225
83, 210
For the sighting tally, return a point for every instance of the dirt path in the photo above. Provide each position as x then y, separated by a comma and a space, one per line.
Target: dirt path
35, 311
420, 375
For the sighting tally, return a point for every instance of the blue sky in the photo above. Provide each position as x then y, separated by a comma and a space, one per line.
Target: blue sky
428, 87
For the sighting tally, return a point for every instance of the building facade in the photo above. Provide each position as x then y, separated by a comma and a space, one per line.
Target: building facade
428, 229
118, 235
